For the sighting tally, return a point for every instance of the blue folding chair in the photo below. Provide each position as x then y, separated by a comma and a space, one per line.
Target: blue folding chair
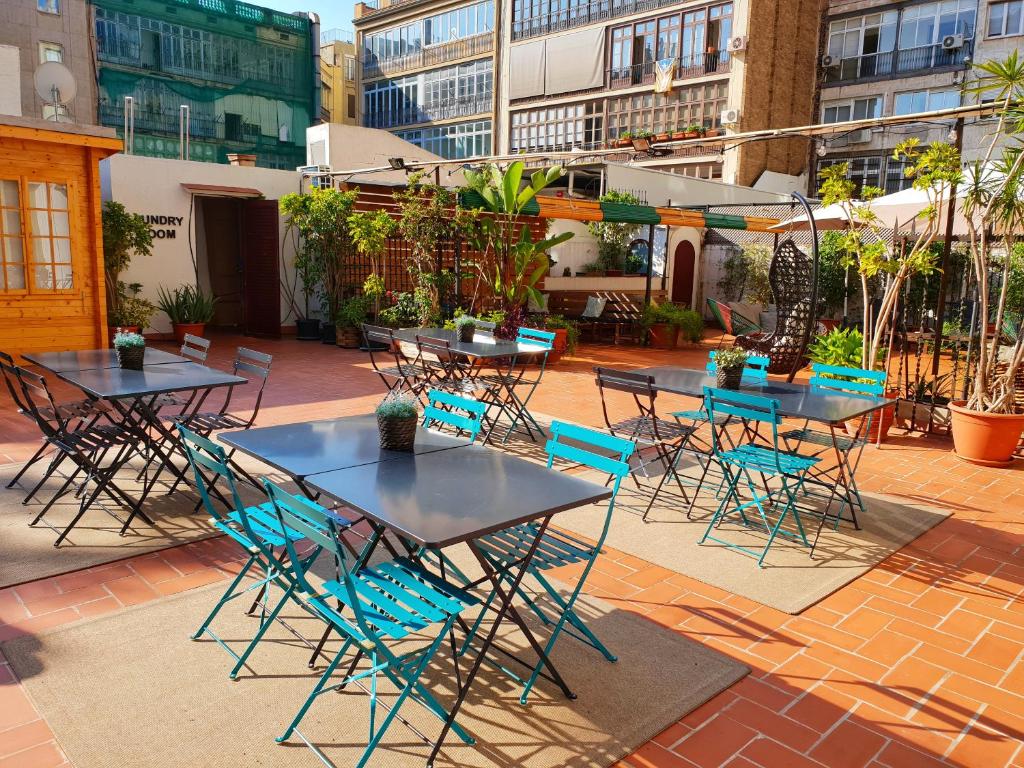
768, 461
839, 477
381, 604
755, 370
505, 383
256, 529
589, 448
447, 409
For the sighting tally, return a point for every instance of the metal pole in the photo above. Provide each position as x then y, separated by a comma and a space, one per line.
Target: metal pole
798, 363
129, 125
184, 117
940, 307
650, 264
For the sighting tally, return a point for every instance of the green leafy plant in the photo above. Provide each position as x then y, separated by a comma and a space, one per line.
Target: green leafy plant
745, 275
186, 304
690, 325
613, 238
464, 321
400, 405
124, 340
373, 286
731, 358
840, 346
132, 310
572, 330
353, 311
125, 235
405, 308
625, 135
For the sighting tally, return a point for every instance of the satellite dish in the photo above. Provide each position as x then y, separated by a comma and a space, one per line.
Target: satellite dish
55, 85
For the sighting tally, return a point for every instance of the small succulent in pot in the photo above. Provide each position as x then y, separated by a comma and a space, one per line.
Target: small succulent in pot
466, 327
397, 419
729, 364
131, 350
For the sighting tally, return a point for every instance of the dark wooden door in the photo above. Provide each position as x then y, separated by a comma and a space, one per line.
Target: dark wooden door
684, 265
220, 224
259, 243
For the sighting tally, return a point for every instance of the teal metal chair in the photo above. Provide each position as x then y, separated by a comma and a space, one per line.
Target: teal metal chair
447, 409
504, 383
257, 529
589, 448
839, 476
769, 462
755, 370
369, 608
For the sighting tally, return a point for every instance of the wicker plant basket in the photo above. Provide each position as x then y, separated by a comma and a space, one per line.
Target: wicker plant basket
729, 378
131, 357
466, 333
397, 433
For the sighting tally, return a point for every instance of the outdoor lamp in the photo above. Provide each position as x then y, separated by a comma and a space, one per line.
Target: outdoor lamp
397, 163
822, 150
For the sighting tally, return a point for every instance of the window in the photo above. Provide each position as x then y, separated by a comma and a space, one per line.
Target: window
350, 68
862, 171
909, 102
457, 24
1006, 18
50, 52
350, 107
697, 104
862, 45
557, 128
12, 254
926, 25
49, 6
439, 94
859, 109
35, 236
453, 142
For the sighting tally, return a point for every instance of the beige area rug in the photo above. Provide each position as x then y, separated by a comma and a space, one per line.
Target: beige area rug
789, 581
27, 553
132, 690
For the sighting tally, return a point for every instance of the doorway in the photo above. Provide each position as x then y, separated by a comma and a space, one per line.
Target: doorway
684, 267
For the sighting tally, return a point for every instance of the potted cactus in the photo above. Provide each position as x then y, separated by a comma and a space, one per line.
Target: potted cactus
131, 349
465, 325
729, 364
397, 419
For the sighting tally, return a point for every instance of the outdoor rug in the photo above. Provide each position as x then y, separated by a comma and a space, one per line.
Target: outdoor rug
789, 581
132, 690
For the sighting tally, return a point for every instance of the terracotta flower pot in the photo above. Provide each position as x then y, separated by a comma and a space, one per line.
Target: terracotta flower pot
663, 336
559, 345
985, 438
181, 329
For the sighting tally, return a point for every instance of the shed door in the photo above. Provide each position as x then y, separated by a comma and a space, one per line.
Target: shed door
261, 268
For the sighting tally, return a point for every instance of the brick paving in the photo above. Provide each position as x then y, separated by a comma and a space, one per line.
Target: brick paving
919, 662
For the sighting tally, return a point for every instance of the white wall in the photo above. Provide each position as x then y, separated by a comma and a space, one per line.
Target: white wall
10, 80
149, 185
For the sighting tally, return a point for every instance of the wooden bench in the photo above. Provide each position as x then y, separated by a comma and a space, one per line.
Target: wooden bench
621, 319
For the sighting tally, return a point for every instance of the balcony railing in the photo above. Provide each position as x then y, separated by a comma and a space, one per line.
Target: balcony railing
448, 110
897, 62
431, 56
581, 15
697, 65
374, 6
164, 122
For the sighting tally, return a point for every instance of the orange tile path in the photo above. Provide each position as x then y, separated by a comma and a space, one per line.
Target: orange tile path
918, 663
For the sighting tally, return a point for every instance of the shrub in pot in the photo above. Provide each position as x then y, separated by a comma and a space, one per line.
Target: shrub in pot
188, 308
729, 364
351, 315
567, 336
132, 313
131, 350
661, 322
397, 419
465, 326
125, 235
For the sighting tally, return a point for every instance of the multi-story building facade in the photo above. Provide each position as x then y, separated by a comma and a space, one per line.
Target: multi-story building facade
882, 58
37, 31
576, 74
426, 72
339, 97
239, 76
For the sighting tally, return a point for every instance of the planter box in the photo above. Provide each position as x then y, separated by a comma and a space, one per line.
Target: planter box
663, 336
922, 416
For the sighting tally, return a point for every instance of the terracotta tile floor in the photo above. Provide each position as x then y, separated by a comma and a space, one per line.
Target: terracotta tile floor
918, 663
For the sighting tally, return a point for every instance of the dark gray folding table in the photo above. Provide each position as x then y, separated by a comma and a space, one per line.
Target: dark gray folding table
449, 497
492, 351
88, 359
833, 409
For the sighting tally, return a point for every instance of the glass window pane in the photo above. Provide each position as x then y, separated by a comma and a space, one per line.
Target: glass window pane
36, 194
13, 250
10, 223
9, 193
40, 249
63, 275
40, 222
15, 278
61, 250
43, 277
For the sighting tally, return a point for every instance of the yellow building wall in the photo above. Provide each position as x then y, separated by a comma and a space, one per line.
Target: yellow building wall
337, 84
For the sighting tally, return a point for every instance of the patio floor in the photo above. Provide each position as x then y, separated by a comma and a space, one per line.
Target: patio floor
919, 662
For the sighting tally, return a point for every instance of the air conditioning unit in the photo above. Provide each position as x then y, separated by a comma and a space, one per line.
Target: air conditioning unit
952, 42
737, 44
827, 62
862, 136
314, 172
730, 116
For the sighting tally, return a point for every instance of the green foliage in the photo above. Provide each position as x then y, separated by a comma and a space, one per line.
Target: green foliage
186, 304
731, 357
370, 231
843, 346
516, 263
320, 217
572, 330
464, 321
373, 286
832, 283
690, 323
124, 340
405, 308
124, 235
131, 309
745, 275
352, 312
399, 405
613, 238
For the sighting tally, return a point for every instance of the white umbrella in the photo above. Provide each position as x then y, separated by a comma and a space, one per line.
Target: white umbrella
830, 217
901, 210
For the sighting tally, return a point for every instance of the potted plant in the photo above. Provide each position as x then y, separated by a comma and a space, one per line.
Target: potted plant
567, 336
124, 235
351, 315
926, 404
306, 328
397, 419
465, 326
131, 349
692, 131
625, 139
729, 364
514, 263
188, 308
658, 319
712, 131
987, 426
689, 326
663, 135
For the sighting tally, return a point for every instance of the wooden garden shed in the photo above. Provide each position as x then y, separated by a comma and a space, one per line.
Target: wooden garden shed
51, 245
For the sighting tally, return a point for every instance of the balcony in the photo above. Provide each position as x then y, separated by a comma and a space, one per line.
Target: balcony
897, 63
411, 115
429, 57
581, 15
697, 65
166, 122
